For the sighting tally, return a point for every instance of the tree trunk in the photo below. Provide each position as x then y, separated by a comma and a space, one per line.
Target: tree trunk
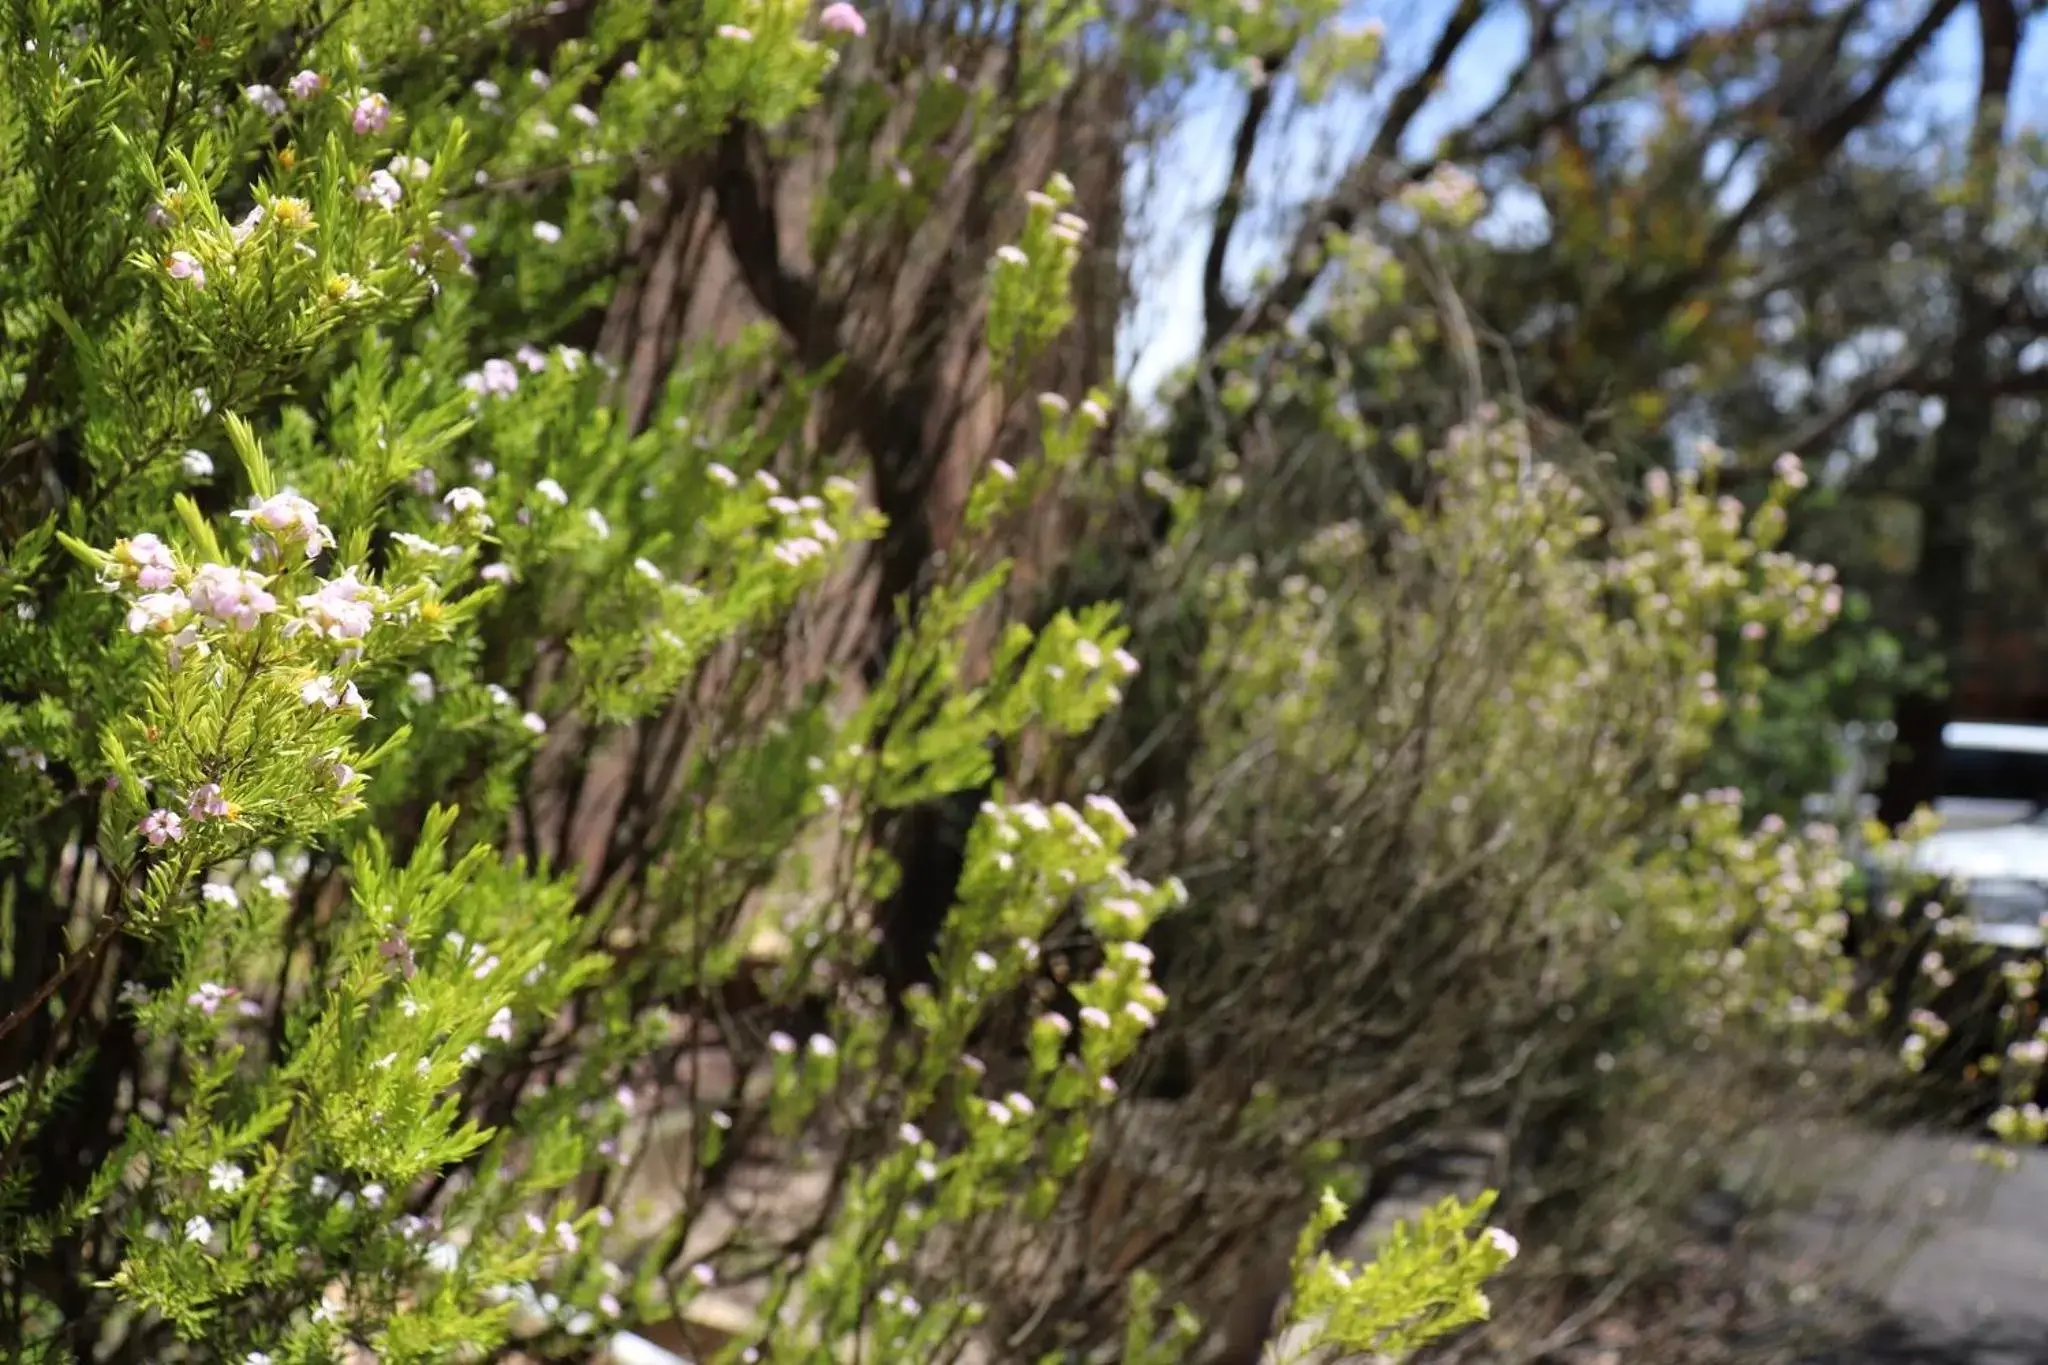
1942, 579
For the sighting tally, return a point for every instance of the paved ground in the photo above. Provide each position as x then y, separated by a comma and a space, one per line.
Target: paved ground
1953, 1253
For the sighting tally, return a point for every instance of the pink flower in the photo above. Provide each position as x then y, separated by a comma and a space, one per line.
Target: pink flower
161, 827
371, 114
210, 997
288, 517
148, 559
232, 596
843, 18
206, 802
306, 85
500, 379
183, 265
339, 610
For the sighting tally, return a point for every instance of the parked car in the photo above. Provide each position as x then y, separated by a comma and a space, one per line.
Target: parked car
1993, 840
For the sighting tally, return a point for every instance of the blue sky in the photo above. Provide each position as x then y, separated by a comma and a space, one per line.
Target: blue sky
1178, 188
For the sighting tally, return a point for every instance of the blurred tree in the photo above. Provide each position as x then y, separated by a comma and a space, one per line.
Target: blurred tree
1760, 232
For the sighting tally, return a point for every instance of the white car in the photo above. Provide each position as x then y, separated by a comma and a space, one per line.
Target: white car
1993, 839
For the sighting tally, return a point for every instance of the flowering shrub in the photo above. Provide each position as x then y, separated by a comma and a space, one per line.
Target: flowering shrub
338, 577
1435, 724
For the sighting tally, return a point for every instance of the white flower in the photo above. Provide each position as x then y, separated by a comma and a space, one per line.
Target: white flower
1503, 1241
498, 695
225, 1177
486, 89
276, 886
1013, 256
373, 1194
552, 491
500, 1027
157, 613
444, 1257
256, 1358
421, 685
197, 1229
197, 464
535, 722
420, 545
219, 893
464, 500
597, 523
546, 233
583, 114
795, 551
383, 190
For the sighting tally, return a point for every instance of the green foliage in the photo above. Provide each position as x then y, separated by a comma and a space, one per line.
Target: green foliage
337, 1035
1423, 1282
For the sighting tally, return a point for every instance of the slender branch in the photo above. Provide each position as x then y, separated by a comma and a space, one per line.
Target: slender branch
1216, 310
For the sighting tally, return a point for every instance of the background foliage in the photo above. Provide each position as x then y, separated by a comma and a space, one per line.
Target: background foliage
614, 718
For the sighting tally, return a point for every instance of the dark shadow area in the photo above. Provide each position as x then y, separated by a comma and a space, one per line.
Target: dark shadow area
1897, 1341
